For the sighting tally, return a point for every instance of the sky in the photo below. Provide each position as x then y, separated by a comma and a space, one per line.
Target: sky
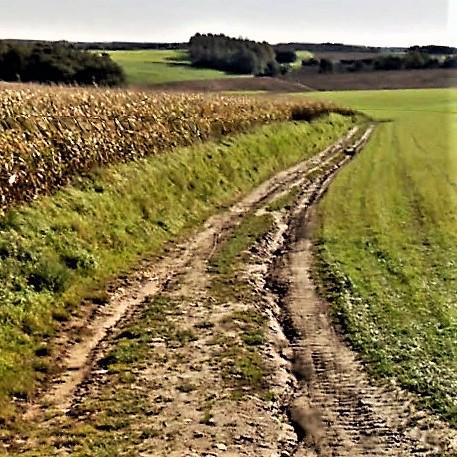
371, 22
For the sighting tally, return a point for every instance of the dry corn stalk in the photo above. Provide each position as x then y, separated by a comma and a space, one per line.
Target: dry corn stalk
50, 134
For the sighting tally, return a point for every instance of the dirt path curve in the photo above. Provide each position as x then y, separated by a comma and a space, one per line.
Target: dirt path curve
80, 356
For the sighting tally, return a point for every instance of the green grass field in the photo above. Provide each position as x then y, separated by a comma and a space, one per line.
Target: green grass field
388, 236
160, 66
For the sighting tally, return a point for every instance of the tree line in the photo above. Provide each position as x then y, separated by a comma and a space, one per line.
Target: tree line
57, 63
412, 60
434, 49
233, 55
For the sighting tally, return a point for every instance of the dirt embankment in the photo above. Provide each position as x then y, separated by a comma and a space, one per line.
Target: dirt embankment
223, 348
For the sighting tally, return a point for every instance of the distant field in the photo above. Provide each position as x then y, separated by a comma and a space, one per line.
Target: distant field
388, 236
401, 79
347, 55
160, 66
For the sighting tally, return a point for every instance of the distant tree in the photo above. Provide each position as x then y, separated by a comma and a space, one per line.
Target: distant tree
434, 49
356, 66
326, 66
57, 63
416, 60
232, 54
284, 69
273, 69
389, 62
450, 62
12, 62
285, 56
313, 62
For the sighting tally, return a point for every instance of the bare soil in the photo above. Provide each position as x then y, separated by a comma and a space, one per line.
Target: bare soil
157, 276
179, 399
374, 80
248, 83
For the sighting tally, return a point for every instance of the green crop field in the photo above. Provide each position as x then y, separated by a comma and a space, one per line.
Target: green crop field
387, 242
160, 66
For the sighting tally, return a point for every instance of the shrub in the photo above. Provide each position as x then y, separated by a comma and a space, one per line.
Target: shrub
49, 275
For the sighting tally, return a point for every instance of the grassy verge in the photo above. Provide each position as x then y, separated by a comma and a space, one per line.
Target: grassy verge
387, 244
60, 250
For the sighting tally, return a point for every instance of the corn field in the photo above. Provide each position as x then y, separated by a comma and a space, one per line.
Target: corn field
49, 135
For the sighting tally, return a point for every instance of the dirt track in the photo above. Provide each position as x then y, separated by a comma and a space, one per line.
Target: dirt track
323, 404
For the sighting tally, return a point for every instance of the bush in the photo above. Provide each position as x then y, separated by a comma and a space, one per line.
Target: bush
49, 275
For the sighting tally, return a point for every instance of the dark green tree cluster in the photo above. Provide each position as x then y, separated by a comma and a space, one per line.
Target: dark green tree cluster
233, 55
450, 62
286, 55
326, 66
57, 63
412, 60
434, 49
